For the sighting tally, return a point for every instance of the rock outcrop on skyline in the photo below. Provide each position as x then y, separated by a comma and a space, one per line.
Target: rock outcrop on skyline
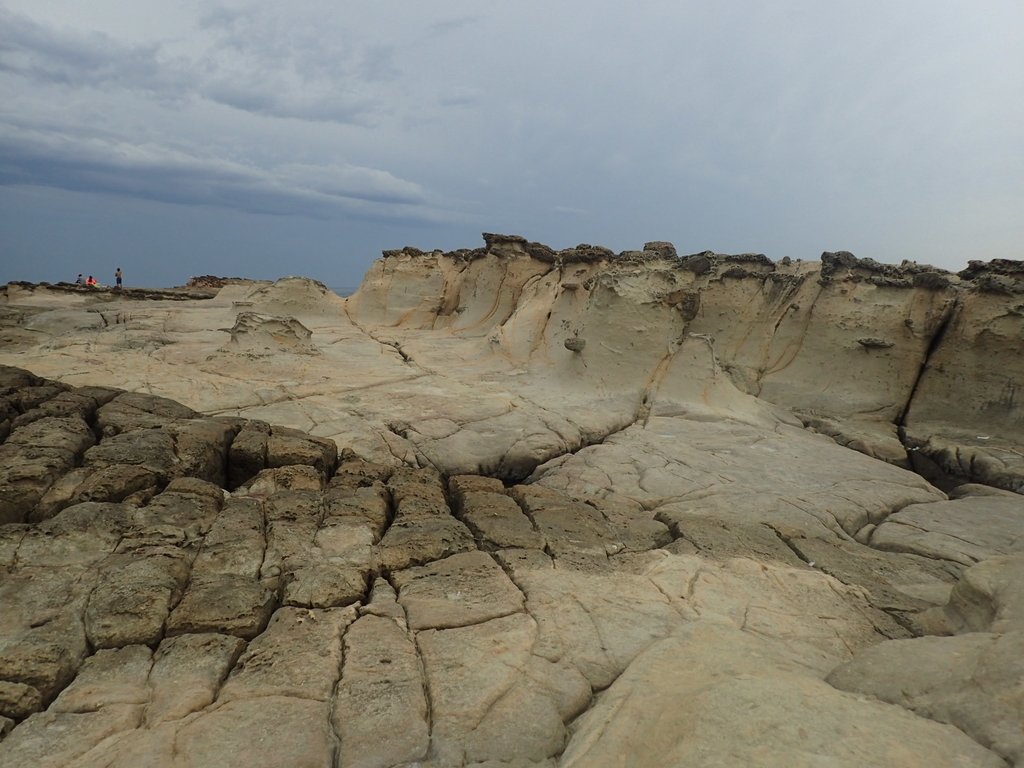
881, 358
514, 506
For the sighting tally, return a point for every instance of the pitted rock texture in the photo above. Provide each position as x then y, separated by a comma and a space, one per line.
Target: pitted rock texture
326, 613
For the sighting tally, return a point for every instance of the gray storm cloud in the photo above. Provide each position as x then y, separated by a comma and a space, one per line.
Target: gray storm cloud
889, 129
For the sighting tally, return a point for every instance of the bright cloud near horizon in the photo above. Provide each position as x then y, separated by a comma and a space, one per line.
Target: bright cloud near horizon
261, 139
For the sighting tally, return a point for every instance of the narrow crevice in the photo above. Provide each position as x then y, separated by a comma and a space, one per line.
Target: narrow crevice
533, 523
654, 382
144, 717
795, 549
526, 472
414, 637
670, 601
383, 342
903, 618
917, 460
933, 345
511, 577
176, 599
265, 531
428, 698
336, 761
398, 348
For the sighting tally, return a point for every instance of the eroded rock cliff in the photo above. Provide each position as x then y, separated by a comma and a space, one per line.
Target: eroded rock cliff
883, 359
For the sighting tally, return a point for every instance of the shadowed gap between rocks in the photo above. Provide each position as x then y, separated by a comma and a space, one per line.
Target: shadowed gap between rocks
922, 465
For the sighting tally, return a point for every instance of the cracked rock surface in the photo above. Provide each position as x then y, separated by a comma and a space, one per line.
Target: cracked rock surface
415, 528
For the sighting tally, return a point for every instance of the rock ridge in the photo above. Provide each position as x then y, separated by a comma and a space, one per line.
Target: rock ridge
894, 340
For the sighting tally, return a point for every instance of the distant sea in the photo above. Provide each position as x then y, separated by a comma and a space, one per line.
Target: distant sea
344, 290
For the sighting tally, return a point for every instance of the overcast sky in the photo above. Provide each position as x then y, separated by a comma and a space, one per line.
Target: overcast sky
264, 139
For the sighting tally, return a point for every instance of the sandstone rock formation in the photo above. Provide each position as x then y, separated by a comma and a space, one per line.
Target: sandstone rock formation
263, 335
517, 507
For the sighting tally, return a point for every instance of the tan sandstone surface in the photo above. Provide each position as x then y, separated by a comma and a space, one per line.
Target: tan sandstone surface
517, 507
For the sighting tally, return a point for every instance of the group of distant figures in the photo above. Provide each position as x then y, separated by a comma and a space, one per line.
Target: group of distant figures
90, 281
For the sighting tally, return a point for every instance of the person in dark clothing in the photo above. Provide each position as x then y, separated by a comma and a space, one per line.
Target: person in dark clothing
117, 277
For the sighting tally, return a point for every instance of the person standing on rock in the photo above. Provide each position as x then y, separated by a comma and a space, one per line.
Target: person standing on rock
79, 280
117, 278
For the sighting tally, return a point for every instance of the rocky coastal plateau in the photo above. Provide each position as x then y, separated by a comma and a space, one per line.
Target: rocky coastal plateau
515, 507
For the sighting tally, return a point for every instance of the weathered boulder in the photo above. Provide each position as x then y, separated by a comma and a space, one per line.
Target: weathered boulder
260, 335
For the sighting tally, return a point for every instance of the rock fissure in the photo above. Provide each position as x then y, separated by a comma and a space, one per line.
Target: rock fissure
936, 340
428, 696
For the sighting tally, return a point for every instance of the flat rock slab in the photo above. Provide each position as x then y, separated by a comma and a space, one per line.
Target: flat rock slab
109, 677
418, 538
366, 503
973, 681
18, 700
325, 585
460, 590
34, 457
150, 449
482, 703
298, 655
568, 527
382, 691
42, 638
235, 543
595, 621
715, 695
727, 539
187, 674
130, 411
894, 580
240, 607
497, 521
963, 530
278, 730
794, 481
58, 739
818, 617
133, 598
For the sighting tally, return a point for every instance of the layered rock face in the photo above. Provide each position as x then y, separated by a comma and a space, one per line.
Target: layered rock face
517, 507
881, 358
